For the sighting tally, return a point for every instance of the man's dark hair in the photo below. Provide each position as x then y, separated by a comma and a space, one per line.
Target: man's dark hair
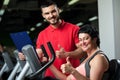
46, 3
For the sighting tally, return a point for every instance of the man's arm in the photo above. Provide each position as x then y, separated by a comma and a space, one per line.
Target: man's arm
77, 53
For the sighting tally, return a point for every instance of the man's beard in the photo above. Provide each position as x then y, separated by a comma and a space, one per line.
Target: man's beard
55, 22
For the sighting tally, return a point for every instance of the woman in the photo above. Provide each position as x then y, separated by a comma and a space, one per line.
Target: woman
95, 65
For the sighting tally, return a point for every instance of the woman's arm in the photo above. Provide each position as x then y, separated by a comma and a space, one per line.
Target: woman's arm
57, 73
77, 75
99, 65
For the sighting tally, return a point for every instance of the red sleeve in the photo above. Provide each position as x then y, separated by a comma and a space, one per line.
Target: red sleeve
39, 41
75, 34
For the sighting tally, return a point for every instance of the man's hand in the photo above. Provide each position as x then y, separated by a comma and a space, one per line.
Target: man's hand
61, 52
41, 56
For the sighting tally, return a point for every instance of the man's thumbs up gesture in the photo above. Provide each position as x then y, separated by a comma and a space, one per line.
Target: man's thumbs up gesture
61, 53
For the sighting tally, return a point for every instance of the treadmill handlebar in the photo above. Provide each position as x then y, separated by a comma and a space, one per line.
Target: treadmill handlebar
47, 64
44, 51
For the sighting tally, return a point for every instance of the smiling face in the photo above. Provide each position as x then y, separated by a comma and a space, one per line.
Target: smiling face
86, 42
51, 14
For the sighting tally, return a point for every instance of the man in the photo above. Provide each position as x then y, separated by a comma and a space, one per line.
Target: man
62, 35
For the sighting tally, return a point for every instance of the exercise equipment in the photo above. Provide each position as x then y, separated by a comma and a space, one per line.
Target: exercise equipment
18, 67
8, 65
114, 69
33, 66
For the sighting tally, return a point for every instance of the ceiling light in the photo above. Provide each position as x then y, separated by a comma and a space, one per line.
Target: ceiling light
28, 32
2, 12
6, 2
38, 24
61, 10
79, 24
32, 29
93, 18
72, 2
45, 20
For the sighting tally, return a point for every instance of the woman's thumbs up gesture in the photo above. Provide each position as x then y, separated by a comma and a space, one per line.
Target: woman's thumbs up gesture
67, 67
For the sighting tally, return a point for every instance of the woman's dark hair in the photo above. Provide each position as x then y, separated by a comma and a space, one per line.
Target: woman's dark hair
92, 31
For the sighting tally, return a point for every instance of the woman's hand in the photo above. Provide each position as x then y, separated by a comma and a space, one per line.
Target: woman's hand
21, 56
67, 67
